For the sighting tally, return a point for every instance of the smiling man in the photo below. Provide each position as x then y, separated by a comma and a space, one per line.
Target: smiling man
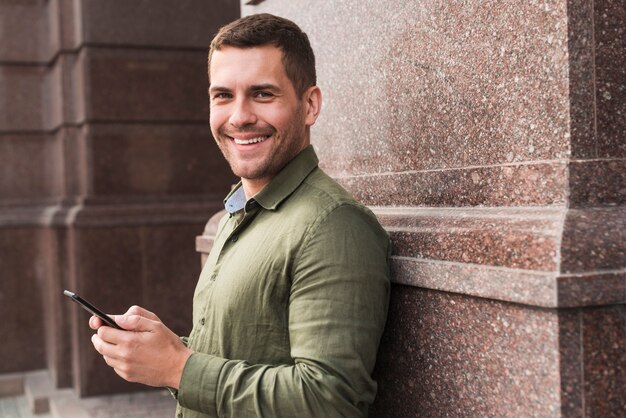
291, 303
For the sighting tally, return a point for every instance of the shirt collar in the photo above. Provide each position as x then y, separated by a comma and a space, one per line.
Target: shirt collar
280, 187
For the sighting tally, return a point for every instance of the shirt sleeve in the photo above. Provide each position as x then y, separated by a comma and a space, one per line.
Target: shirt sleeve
337, 311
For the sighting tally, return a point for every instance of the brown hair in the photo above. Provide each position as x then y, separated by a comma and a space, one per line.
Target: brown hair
266, 29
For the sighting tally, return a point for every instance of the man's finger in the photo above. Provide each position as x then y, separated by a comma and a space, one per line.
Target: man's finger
138, 310
137, 323
103, 347
95, 322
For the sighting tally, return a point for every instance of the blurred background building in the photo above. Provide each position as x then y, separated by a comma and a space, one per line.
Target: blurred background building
488, 136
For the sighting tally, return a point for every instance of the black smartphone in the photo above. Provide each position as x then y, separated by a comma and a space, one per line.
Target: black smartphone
92, 309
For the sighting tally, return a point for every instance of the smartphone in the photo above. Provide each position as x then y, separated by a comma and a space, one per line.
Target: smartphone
92, 309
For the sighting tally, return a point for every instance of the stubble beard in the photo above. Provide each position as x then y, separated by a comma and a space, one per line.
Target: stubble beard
285, 148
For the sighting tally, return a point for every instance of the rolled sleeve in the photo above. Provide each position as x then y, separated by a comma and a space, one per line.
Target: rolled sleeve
199, 382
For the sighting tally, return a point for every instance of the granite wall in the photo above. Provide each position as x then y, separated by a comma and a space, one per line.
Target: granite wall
107, 171
490, 139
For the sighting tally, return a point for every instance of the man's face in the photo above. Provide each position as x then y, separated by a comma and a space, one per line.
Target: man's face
257, 119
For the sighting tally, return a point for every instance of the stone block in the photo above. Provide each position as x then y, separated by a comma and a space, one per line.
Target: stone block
37, 388
78, 181
11, 384
609, 33
26, 27
22, 268
111, 277
593, 240
604, 367
65, 404
450, 354
146, 85
610, 61
171, 272
162, 23
513, 238
597, 182
440, 86
56, 317
592, 289
133, 263
611, 111
21, 103
515, 185
582, 103
156, 160
67, 93
70, 23
31, 167
571, 361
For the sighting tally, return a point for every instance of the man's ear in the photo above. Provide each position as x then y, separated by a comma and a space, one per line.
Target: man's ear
313, 104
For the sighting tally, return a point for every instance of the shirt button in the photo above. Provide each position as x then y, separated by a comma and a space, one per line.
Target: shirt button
202, 321
234, 238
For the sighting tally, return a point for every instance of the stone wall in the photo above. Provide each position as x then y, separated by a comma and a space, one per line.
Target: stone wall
489, 137
107, 171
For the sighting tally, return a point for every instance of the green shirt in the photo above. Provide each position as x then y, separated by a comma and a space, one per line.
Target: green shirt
290, 305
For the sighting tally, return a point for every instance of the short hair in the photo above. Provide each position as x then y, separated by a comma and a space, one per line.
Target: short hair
267, 29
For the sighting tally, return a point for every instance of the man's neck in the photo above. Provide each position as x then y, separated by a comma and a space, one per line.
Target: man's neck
252, 187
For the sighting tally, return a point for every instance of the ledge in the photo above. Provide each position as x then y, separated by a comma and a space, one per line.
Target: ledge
92, 214
509, 254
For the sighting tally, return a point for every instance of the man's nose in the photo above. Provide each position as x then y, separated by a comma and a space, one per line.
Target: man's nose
243, 114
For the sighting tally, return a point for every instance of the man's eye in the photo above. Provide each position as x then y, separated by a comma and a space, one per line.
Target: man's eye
264, 94
221, 96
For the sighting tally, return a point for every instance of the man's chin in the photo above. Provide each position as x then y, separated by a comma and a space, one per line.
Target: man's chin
250, 173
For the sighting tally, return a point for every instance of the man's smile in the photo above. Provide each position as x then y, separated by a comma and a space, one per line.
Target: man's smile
248, 141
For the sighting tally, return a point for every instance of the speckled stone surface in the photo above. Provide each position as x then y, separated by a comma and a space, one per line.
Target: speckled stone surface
594, 239
610, 59
593, 361
519, 239
592, 289
604, 347
450, 355
441, 114
571, 360
516, 185
440, 85
497, 283
581, 75
597, 182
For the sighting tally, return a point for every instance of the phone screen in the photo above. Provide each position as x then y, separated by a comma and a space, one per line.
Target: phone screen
92, 309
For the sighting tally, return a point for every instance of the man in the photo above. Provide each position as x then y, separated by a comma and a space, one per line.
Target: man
291, 303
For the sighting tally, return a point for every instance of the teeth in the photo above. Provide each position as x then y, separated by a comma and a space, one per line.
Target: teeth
250, 141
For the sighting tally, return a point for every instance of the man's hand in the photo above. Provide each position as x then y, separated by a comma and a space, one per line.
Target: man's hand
145, 352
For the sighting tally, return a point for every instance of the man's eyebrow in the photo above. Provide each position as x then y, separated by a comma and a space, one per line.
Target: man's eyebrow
213, 88
266, 86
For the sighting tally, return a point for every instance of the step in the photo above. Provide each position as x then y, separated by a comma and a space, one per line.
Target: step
65, 404
37, 388
11, 384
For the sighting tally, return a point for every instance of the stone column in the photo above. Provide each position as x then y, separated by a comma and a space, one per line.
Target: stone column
489, 137
108, 171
